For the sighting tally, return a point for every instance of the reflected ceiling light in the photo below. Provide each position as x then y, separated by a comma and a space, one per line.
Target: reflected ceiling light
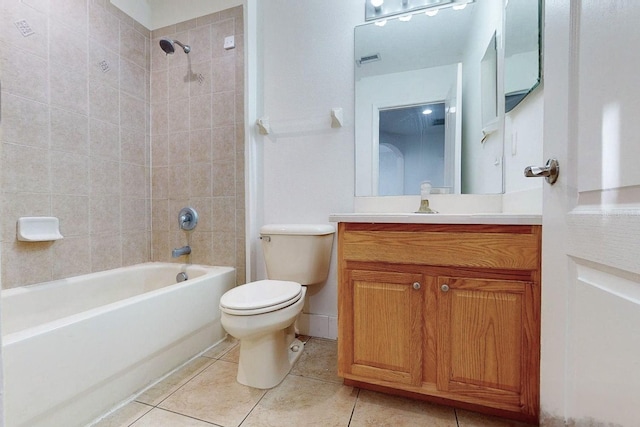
452, 110
430, 12
381, 23
377, 3
427, 111
459, 6
405, 18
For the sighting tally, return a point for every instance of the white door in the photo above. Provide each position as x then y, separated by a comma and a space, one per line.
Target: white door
590, 364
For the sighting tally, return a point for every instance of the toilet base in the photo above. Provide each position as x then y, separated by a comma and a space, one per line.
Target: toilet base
266, 360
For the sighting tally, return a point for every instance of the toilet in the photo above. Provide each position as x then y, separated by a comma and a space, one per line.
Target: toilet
262, 314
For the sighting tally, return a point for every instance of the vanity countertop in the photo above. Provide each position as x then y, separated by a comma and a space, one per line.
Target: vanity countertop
415, 218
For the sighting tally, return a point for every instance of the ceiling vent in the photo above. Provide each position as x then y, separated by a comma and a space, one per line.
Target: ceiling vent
368, 58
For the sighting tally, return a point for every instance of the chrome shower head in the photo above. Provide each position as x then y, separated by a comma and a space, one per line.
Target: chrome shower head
167, 45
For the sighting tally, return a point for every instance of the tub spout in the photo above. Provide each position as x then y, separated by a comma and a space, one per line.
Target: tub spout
185, 250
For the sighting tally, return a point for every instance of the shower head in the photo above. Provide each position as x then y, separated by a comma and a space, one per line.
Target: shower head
168, 46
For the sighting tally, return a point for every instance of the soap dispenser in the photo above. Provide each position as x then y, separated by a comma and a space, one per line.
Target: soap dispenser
425, 190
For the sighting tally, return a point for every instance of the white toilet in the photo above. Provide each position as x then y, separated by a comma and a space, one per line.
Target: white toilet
262, 314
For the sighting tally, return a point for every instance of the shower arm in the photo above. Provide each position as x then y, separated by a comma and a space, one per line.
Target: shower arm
184, 47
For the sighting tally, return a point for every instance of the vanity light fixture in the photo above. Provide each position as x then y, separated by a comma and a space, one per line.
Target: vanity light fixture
374, 9
377, 4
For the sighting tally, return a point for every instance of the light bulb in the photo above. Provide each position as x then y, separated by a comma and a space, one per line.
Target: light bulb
427, 111
431, 12
381, 23
459, 6
405, 18
376, 3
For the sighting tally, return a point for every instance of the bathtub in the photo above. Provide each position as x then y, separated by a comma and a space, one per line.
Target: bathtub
74, 348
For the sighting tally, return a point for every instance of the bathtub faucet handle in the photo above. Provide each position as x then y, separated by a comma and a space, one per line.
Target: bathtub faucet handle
187, 219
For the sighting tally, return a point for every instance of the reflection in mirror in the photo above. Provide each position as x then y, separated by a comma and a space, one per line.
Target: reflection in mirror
412, 149
428, 59
521, 50
489, 82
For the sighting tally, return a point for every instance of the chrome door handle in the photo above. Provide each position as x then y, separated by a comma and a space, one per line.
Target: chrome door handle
550, 171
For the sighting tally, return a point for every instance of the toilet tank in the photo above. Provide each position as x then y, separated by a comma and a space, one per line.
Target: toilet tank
297, 252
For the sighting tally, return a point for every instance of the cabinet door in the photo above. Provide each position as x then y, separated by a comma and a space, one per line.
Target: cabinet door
488, 342
381, 326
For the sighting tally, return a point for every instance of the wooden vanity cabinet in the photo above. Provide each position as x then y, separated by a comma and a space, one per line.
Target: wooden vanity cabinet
442, 312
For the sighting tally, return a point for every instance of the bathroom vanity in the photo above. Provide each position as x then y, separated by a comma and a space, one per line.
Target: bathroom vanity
443, 308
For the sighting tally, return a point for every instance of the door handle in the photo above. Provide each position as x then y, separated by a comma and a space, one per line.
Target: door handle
550, 171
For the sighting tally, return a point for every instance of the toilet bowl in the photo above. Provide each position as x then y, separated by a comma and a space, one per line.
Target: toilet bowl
262, 314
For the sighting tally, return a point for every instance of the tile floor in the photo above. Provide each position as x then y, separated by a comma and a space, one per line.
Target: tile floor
205, 393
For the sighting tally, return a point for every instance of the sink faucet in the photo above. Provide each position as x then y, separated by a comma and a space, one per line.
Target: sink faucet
185, 250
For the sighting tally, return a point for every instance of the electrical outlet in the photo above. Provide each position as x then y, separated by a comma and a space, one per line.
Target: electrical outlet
229, 42
24, 28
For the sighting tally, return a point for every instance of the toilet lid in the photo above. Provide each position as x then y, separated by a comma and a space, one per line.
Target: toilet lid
261, 296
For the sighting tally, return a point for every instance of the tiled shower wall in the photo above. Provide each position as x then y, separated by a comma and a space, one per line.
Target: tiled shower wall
75, 144
76, 127
197, 140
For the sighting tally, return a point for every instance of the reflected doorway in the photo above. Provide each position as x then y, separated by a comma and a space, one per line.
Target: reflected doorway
412, 149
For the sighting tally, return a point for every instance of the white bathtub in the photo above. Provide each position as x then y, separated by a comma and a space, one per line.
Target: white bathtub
74, 348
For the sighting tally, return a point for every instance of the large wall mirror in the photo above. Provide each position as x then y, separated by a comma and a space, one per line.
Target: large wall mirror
522, 66
430, 61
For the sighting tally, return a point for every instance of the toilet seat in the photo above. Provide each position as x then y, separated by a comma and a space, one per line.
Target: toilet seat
259, 297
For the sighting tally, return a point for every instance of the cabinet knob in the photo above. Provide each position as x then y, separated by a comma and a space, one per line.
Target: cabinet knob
416, 285
444, 288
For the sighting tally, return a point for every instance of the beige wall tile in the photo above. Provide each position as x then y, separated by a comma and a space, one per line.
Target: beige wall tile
105, 176
200, 180
25, 169
73, 13
159, 86
16, 205
223, 109
25, 75
200, 78
105, 214
224, 143
178, 82
26, 263
132, 112
200, 145
104, 139
73, 213
133, 45
12, 11
25, 122
160, 215
200, 42
133, 79
104, 102
68, 44
70, 89
69, 173
178, 116
100, 56
135, 248
104, 27
219, 31
160, 150
71, 257
224, 73
133, 146
224, 214
132, 180
106, 252
223, 178
200, 112
178, 148
69, 131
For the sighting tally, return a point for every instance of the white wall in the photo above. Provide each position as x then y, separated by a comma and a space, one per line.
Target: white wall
308, 68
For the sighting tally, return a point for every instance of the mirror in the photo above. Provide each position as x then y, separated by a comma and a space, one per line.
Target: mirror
521, 50
427, 59
489, 82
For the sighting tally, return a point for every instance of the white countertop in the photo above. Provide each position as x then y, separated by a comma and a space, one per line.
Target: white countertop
415, 218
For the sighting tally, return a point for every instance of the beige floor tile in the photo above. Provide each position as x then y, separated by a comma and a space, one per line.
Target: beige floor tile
221, 349
474, 419
232, 355
319, 360
160, 418
299, 401
124, 416
164, 388
215, 396
377, 409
